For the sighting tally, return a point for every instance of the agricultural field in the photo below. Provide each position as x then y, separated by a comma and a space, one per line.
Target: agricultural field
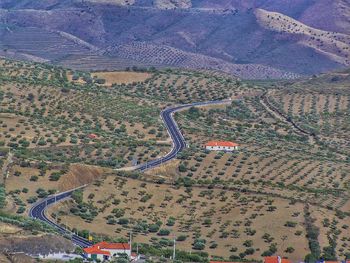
274, 162
322, 109
68, 123
181, 87
285, 191
222, 223
121, 77
271, 154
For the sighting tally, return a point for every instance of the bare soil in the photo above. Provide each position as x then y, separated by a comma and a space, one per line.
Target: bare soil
121, 77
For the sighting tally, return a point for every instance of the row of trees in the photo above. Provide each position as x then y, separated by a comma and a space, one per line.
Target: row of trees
2, 197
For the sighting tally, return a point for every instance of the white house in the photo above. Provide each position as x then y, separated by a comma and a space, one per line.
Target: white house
105, 251
221, 146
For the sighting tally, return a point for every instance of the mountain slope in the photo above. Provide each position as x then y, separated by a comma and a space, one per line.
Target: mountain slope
222, 35
334, 45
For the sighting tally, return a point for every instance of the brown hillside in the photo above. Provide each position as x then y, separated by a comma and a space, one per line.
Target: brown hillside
79, 175
333, 45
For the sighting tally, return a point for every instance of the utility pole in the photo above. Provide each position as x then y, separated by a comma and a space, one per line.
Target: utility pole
174, 248
130, 243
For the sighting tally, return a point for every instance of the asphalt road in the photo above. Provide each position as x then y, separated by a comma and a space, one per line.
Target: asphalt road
38, 209
38, 212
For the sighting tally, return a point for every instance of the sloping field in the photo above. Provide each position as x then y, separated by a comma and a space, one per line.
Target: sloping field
165, 55
41, 43
99, 62
333, 45
227, 35
120, 77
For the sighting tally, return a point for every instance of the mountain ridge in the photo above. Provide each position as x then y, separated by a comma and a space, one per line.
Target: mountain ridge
235, 32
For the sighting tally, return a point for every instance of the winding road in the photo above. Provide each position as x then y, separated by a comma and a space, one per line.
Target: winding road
38, 209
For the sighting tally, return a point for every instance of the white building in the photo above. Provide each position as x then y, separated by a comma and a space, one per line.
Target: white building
221, 146
105, 251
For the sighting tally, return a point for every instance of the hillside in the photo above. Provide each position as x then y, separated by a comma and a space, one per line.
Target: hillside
288, 181
234, 36
331, 44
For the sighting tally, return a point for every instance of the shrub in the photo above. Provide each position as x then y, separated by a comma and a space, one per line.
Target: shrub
289, 250
198, 245
213, 245
123, 221
34, 178
118, 212
164, 232
55, 176
154, 228
182, 168
248, 243
2, 197
21, 210
181, 238
290, 224
171, 221
32, 199
77, 196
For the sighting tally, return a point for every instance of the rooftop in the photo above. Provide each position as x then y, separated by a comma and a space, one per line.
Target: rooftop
106, 245
221, 143
96, 250
103, 247
276, 259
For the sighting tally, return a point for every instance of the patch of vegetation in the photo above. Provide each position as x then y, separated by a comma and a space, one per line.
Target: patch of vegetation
2, 197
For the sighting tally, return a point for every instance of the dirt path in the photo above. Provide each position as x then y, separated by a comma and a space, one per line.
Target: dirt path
6, 167
264, 101
276, 113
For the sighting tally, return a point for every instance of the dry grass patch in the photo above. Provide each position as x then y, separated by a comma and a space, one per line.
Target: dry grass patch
121, 77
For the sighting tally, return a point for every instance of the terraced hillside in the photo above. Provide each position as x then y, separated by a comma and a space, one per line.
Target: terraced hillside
252, 40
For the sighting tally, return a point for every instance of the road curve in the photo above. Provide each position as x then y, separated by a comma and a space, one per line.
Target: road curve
38, 209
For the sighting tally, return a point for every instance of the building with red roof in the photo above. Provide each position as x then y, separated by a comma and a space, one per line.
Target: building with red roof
221, 146
105, 251
92, 136
222, 262
276, 259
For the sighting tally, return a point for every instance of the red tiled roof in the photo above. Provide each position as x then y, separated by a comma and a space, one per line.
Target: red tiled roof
92, 136
106, 245
271, 260
274, 259
101, 247
221, 143
96, 250
222, 262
